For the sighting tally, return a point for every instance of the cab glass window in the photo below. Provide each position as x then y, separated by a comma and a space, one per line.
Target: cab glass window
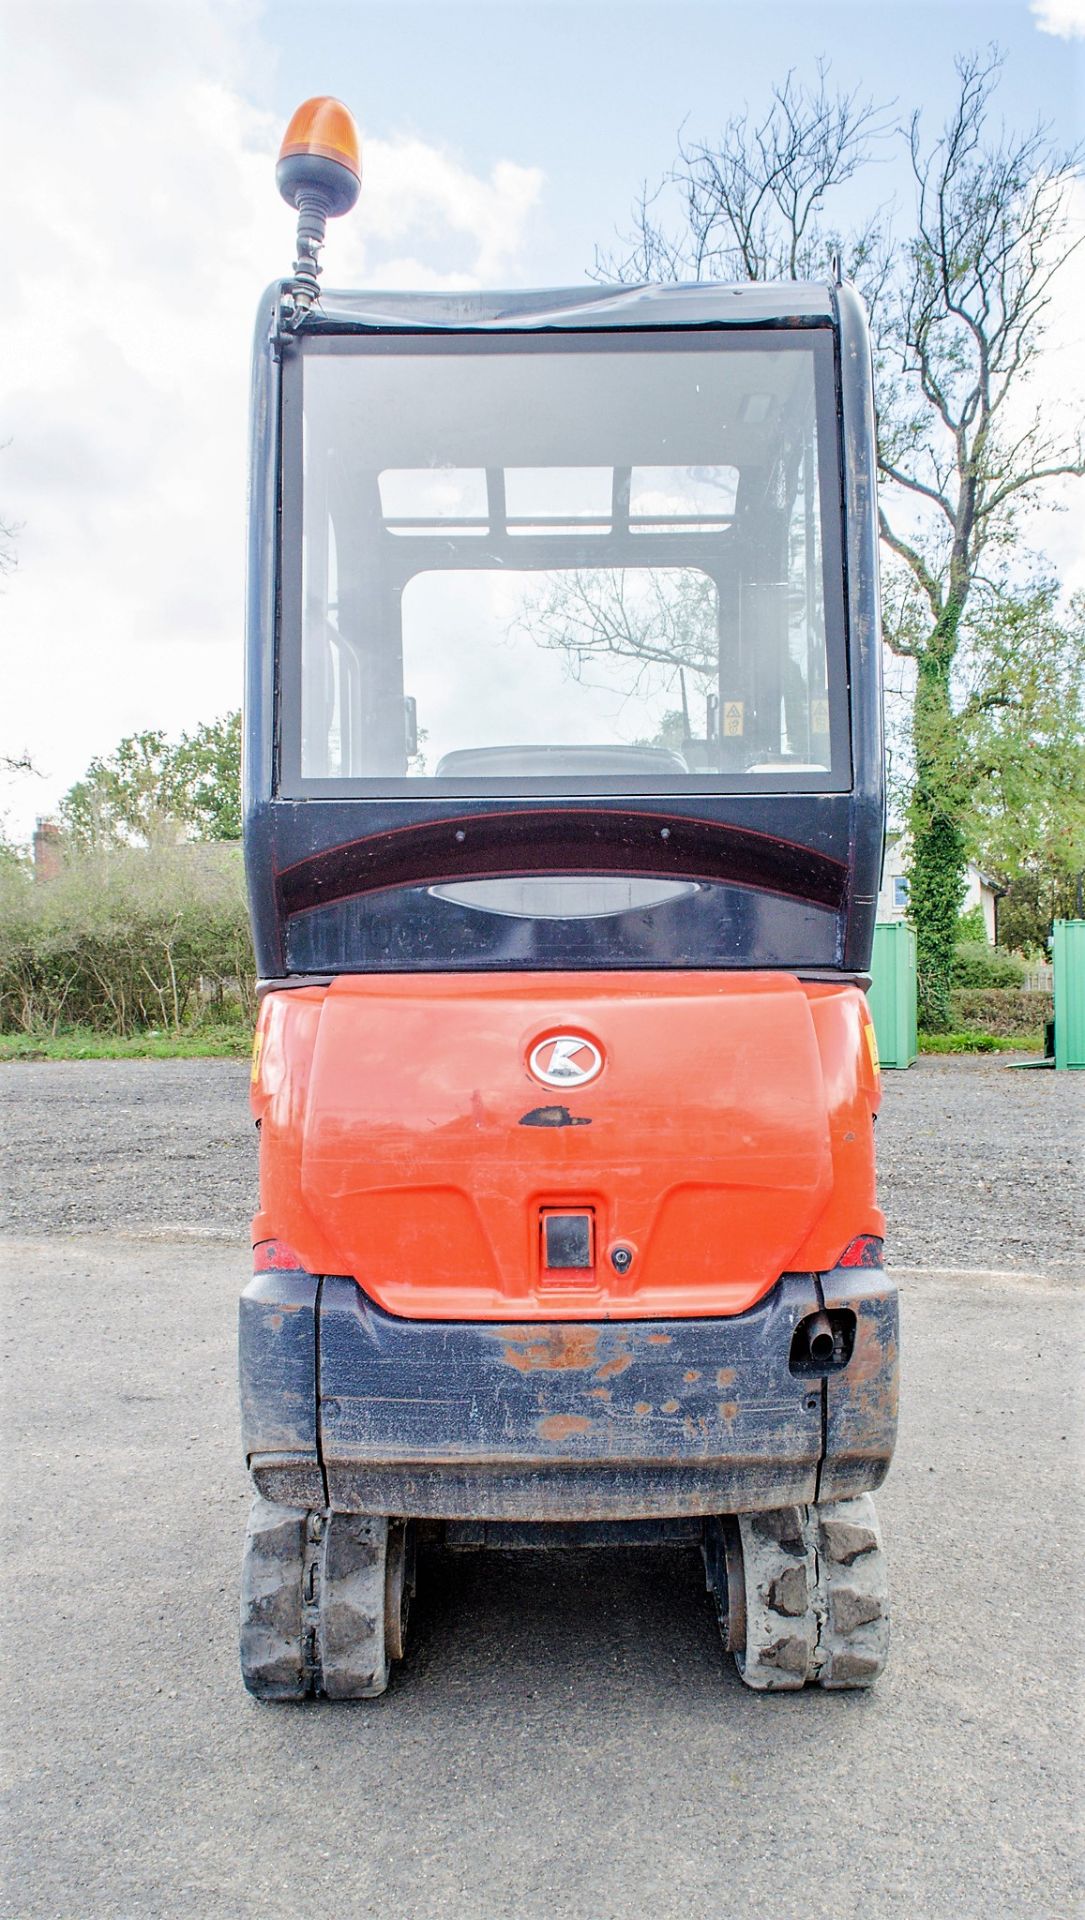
579, 564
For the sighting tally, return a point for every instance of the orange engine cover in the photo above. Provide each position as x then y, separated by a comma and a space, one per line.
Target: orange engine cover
716, 1133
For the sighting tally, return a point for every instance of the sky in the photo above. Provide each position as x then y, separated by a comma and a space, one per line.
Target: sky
503, 143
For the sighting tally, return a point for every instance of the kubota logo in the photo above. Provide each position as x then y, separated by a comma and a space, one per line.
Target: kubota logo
565, 1060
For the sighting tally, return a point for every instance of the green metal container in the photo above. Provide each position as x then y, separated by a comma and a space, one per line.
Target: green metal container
1068, 953
893, 1001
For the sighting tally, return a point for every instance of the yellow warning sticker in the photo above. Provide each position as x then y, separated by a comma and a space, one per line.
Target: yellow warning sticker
256, 1049
872, 1045
734, 718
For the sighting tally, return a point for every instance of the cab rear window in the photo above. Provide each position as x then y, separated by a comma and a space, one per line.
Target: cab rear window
606, 564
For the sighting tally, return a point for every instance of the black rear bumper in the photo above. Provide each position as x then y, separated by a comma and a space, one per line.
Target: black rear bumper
345, 1406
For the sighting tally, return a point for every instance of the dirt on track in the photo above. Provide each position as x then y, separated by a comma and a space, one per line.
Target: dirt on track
980, 1165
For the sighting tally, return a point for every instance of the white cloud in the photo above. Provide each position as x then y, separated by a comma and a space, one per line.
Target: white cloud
143, 225
412, 191
1064, 18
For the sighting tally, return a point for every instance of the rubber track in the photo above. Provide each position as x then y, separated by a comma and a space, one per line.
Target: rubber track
313, 1604
817, 1597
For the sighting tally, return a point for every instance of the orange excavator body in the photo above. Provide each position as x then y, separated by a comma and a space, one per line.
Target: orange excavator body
726, 1138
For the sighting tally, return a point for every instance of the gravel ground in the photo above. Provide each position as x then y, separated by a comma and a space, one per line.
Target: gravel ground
566, 1739
980, 1165
140, 1146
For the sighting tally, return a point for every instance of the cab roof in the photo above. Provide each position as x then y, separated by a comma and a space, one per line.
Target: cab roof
777, 303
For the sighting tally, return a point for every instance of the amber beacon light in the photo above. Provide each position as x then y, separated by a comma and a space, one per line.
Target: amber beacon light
320, 173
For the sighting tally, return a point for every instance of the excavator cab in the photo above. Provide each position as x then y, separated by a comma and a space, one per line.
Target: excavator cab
563, 819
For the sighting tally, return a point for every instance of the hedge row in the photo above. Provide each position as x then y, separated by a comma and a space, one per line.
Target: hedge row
1009, 1012
125, 942
978, 965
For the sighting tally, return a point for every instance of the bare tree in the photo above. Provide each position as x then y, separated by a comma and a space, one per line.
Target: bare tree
9, 531
662, 620
751, 204
959, 311
962, 446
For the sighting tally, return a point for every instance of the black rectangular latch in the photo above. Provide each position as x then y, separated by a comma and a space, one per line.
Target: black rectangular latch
567, 1242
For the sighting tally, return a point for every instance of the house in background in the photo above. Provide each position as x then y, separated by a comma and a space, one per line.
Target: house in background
980, 889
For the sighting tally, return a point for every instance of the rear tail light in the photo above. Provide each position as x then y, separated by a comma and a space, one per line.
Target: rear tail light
865, 1251
274, 1256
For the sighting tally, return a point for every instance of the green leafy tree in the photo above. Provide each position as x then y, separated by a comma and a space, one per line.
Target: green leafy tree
1023, 723
156, 793
959, 310
972, 927
959, 329
13, 858
207, 768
